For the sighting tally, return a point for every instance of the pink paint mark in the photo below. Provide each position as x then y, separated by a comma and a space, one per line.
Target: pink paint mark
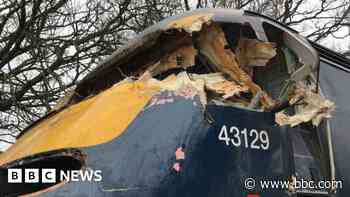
179, 153
177, 167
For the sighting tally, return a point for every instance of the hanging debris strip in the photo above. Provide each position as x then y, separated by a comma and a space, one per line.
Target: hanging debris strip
229, 68
208, 66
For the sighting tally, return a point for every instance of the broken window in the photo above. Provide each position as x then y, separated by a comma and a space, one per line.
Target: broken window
311, 161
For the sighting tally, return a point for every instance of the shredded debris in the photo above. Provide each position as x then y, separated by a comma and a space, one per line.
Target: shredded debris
313, 108
183, 57
230, 74
251, 53
217, 83
254, 103
210, 66
212, 43
182, 85
191, 23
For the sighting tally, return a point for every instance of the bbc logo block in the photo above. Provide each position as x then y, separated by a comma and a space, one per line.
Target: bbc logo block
14, 175
48, 175
31, 175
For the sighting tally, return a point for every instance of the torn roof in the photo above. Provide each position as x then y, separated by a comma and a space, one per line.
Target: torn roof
175, 31
189, 21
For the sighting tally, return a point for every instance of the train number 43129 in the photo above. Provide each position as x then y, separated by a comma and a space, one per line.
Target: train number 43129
252, 138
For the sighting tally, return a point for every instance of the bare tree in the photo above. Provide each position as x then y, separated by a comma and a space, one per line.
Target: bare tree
47, 46
320, 17
44, 48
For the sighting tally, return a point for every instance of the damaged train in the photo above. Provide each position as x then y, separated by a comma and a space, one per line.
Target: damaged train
196, 105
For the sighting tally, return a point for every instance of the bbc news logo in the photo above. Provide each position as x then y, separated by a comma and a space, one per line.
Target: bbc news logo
49, 175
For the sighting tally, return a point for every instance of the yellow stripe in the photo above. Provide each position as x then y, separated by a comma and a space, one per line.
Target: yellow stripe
94, 121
